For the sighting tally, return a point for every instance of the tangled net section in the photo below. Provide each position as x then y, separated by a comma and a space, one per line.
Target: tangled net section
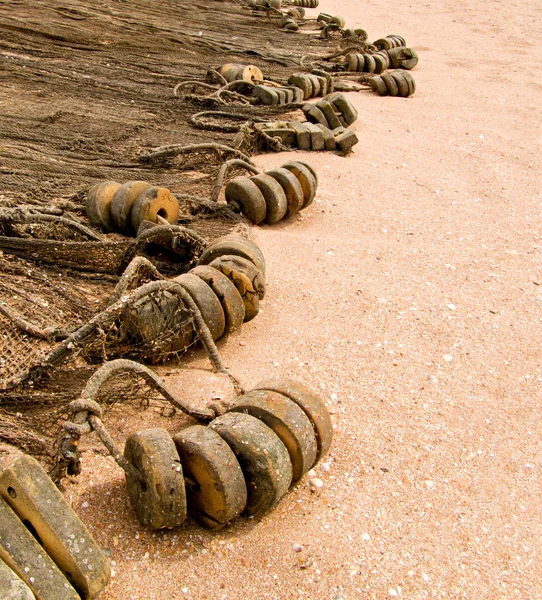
76, 291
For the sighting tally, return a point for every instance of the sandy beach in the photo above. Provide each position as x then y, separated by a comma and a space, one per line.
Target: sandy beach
409, 297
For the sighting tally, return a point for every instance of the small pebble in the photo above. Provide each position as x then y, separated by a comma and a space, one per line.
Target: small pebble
297, 547
451, 306
325, 467
85, 505
242, 343
311, 474
392, 592
316, 483
432, 378
447, 358
365, 536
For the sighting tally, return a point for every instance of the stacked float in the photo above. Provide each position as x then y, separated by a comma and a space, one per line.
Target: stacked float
239, 72
227, 287
241, 463
43, 542
392, 51
228, 284
316, 83
122, 208
271, 196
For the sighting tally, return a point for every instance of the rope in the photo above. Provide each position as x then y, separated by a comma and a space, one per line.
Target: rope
175, 149
87, 417
230, 164
45, 334
18, 215
198, 120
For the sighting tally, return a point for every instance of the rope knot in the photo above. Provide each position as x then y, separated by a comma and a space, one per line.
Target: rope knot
87, 404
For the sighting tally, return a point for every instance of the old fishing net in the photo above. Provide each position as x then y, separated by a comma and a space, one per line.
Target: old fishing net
87, 95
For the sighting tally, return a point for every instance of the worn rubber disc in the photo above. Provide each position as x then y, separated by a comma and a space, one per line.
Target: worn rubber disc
310, 403
164, 324
370, 64
313, 113
300, 80
360, 62
122, 202
275, 198
399, 40
271, 97
411, 83
281, 96
99, 204
296, 12
207, 302
237, 246
215, 484
263, 458
285, 19
317, 137
250, 73
351, 62
289, 94
394, 42
378, 85
158, 498
331, 117
315, 82
329, 138
402, 84
229, 71
292, 188
310, 168
385, 43
380, 64
345, 107
244, 193
288, 421
306, 179
226, 292
391, 84
303, 136
407, 58
393, 53
337, 20
298, 94
152, 202
247, 279
323, 84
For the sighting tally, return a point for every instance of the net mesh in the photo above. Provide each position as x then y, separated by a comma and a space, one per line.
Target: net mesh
86, 93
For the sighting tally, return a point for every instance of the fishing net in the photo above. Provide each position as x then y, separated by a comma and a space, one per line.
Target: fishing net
87, 95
